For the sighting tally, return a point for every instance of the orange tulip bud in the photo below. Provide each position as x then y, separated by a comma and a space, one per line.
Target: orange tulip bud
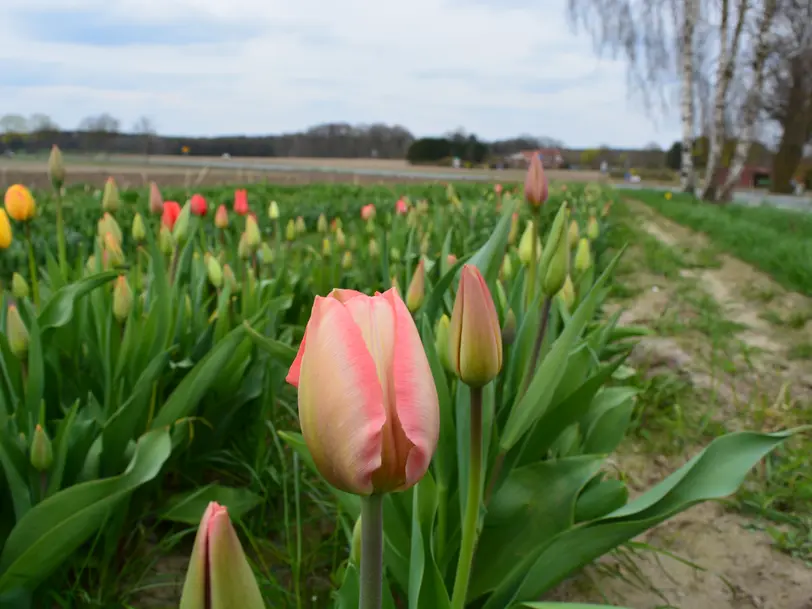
535, 183
20, 203
475, 336
5, 230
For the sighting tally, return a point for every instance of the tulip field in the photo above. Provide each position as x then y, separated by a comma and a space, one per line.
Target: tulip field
318, 396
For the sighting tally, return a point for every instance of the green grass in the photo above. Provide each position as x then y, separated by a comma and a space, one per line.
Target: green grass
777, 241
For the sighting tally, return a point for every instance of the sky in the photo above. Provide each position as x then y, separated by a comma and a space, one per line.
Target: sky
497, 68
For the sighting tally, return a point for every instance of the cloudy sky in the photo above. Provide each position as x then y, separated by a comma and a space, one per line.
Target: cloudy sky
202, 67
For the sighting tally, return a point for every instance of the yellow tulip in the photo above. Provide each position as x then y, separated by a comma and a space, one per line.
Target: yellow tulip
20, 203
5, 230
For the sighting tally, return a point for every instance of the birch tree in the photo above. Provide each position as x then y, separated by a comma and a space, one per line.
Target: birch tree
657, 38
753, 100
725, 68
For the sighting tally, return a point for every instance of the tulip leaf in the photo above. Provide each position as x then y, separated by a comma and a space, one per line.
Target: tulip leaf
611, 413
714, 473
61, 445
35, 383
189, 507
532, 406
197, 382
600, 499
59, 310
15, 466
56, 527
282, 352
488, 259
534, 503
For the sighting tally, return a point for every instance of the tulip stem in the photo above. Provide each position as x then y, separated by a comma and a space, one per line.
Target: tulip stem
60, 236
534, 359
371, 552
532, 268
32, 266
471, 521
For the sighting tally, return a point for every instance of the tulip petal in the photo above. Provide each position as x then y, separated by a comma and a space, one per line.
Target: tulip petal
231, 581
194, 587
343, 295
296, 367
416, 398
341, 407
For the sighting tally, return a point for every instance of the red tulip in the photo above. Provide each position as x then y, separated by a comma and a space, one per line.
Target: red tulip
401, 207
498, 189
536, 188
241, 202
198, 205
368, 212
368, 406
170, 215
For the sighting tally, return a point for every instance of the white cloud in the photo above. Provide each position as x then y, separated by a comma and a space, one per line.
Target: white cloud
264, 66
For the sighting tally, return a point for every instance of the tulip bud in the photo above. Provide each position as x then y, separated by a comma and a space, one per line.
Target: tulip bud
90, 265
252, 235
326, 248
441, 343
273, 211
573, 235
19, 286
370, 227
346, 261
290, 230
110, 198
156, 201
42, 453
219, 576
526, 244
593, 231
321, 225
198, 205
336, 224
394, 254
450, 260
475, 336
112, 249
56, 168
567, 294
374, 250
425, 245
229, 279
122, 299
417, 288
514, 228
355, 546
341, 240
558, 267
108, 224
244, 250
509, 328
221, 217
300, 225
165, 240
535, 183
16, 332
181, 228
5, 230
506, 272
214, 271
583, 257
139, 231
266, 255
20, 203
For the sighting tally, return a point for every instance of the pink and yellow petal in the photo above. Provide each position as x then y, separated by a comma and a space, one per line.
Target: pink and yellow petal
341, 407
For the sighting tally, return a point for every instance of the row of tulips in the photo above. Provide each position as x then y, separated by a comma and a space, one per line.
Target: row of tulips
462, 429
472, 456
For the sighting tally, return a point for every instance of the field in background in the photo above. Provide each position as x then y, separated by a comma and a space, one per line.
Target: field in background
177, 170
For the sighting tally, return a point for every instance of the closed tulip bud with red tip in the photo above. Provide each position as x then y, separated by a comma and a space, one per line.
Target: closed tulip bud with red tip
475, 347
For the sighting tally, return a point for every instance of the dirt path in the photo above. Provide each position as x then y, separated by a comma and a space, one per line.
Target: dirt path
729, 332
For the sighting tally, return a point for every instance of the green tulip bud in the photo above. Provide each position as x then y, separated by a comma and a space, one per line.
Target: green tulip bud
16, 332
122, 299
139, 231
19, 286
42, 453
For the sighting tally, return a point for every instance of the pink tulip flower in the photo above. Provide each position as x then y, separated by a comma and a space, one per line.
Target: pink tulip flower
198, 205
401, 207
368, 406
368, 211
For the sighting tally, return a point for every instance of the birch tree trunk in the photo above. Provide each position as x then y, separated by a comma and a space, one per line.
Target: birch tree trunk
724, 74
751, 104
687, 179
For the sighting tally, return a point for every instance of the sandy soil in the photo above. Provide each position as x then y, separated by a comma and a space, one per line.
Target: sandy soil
738, 566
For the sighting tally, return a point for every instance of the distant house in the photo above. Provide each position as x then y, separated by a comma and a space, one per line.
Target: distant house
752, 176
551, 158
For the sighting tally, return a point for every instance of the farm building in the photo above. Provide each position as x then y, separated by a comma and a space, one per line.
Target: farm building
752, 176
550, 157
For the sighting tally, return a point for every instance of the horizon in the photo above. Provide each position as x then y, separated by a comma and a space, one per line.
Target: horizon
255, 68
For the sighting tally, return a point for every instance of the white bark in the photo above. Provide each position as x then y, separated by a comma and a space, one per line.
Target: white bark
690, 9
751, 103
728, 51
